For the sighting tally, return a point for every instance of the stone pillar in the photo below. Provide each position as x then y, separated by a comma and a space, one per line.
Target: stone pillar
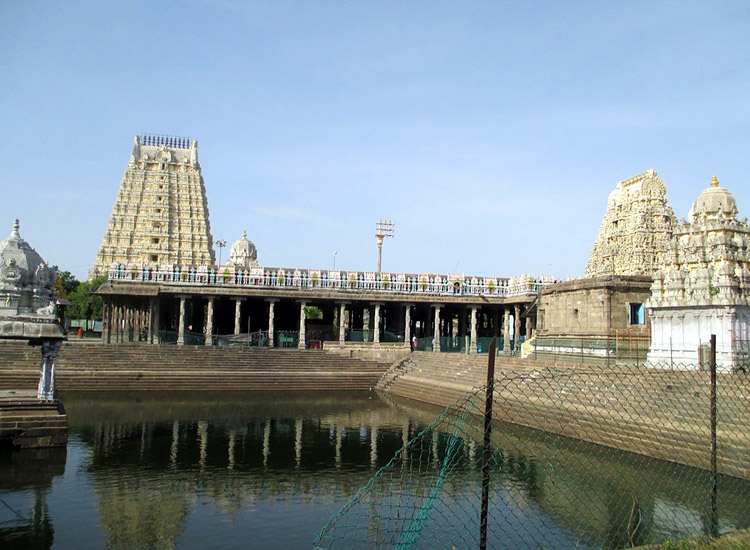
155, 321
302, 332
506, 331
407, 324
528, 327
113, 320
106, 308
473, 342
237, 314
436, 331
342, 326
210, 321
495, 322
376, 325
181, 322
46, 389
270, 323
517, 327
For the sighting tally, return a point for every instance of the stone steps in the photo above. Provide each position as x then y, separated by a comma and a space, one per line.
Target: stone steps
26, 422
96, 367
661, 414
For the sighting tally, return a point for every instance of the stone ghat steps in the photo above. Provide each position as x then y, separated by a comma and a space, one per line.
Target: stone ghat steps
660, 414
96, 367
466, 370
26, 422
86, 356
106, 381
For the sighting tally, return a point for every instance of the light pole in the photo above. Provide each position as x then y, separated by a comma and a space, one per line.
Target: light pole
384, 228
220, 244
334, 260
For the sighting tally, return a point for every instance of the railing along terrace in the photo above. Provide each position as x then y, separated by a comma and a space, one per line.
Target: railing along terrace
344, 281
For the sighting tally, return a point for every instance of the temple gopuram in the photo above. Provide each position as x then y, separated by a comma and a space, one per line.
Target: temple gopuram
160, 215
164, 285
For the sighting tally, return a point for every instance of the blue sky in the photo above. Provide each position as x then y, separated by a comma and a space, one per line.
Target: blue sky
490, 132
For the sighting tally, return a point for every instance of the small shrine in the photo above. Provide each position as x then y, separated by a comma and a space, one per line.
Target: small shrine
27, 304
243, 253
702, 287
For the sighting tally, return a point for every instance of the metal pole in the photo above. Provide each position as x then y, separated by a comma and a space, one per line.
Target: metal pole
380, 251
714, 473
487, 451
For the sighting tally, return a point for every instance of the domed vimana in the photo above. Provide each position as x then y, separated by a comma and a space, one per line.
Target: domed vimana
26, 281
243, 253
160, 215
713, 203
703, 286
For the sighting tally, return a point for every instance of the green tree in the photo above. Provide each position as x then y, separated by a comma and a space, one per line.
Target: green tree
67, 282
84, 304
313, 312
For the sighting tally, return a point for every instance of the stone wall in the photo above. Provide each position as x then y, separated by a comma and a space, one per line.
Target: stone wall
591, 307
657, 413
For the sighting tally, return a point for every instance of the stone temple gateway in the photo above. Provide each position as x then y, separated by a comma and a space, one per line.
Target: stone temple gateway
160, 215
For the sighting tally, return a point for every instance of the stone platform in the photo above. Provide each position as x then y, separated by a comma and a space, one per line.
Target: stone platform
27, 422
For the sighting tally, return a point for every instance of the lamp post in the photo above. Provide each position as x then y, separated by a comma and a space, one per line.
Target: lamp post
220, 244
384, 228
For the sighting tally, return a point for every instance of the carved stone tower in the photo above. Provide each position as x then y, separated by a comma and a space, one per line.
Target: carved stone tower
161, 211
636, 229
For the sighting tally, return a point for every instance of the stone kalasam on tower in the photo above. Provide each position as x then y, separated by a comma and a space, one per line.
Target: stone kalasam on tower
160, 214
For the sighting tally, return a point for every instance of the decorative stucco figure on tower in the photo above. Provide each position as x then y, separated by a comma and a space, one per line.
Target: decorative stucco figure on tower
636, 229
160, 214
243, 253
703, 287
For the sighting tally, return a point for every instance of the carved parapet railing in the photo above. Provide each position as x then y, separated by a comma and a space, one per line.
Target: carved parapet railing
344, 281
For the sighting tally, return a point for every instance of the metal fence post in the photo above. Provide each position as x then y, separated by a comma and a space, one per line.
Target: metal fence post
486, 455
714, 474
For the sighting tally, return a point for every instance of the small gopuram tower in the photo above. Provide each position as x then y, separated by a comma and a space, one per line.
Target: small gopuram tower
636, 229
161, 211
703, 288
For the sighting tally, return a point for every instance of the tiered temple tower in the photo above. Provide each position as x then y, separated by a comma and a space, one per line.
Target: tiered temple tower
636, 229
703, 287
161, 211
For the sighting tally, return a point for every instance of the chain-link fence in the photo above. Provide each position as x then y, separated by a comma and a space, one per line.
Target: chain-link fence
581, 457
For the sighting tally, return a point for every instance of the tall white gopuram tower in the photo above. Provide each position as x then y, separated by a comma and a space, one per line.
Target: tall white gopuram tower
161, 211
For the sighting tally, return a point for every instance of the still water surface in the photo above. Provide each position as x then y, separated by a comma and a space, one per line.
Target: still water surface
268, 470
